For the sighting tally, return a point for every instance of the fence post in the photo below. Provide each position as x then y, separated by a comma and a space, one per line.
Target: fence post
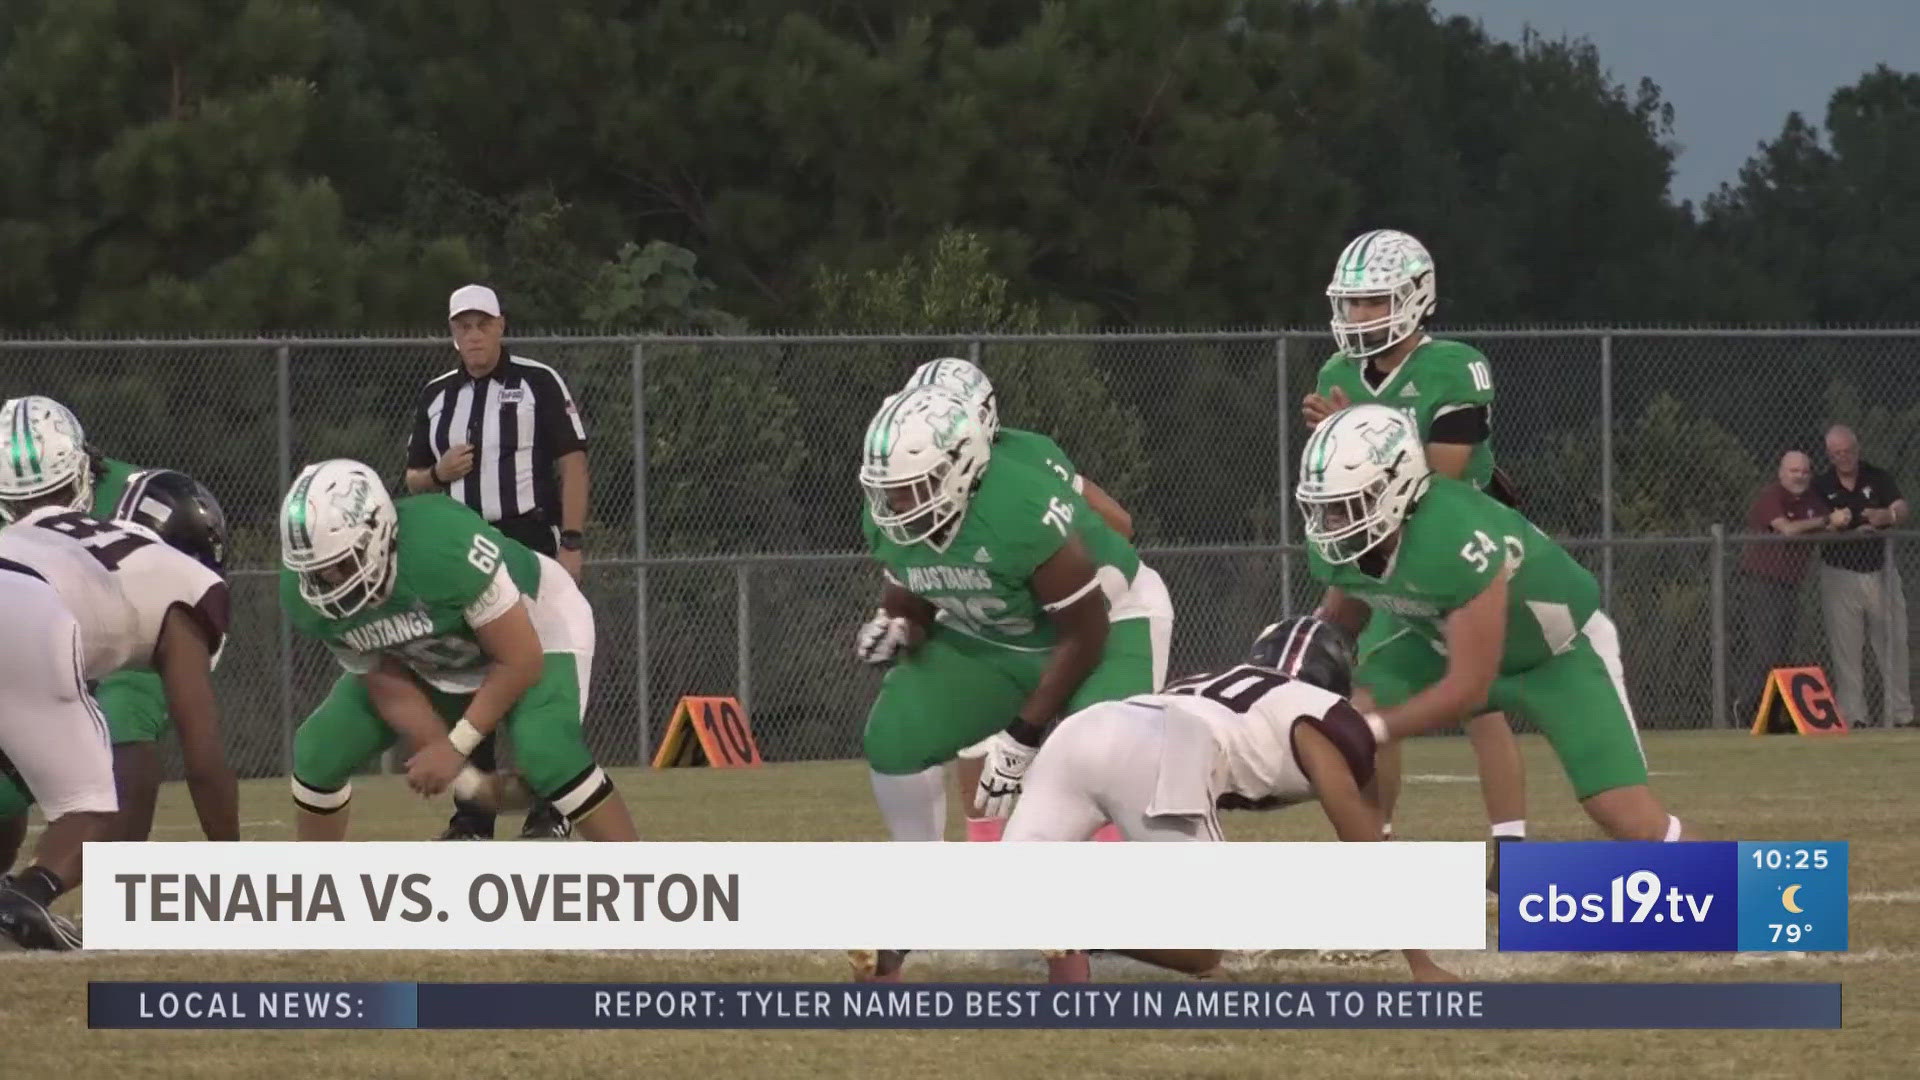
1606, 470
743, 636
640, 686
1717, 571
1890, 594
1282, 434
973, 352
283, 363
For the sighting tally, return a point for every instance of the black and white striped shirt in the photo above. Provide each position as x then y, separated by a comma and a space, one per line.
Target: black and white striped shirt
519, 418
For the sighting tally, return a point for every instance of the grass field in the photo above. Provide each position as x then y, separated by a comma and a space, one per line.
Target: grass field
1860, 788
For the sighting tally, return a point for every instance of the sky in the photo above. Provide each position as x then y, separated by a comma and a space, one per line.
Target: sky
1733, 69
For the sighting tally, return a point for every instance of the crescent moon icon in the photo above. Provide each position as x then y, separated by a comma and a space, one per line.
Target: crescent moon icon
1786, 899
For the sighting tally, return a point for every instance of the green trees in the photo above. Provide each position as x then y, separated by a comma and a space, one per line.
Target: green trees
156, 178
1828, 217
246, 165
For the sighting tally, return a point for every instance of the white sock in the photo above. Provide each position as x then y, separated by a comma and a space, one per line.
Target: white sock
915, 805
1510, 828
1386, 830
1673, 829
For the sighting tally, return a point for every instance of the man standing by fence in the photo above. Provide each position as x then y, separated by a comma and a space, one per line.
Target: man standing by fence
492, 433
1770, 572
1861, 595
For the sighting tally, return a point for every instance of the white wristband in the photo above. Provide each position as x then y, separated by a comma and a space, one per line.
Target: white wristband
464, 737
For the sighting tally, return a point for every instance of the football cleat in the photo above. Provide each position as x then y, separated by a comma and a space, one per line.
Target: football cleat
31, 926
546, 823
462, 826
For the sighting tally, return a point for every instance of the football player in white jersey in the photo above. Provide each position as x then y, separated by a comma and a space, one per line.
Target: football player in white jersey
86, 598
185, 516
1271, 732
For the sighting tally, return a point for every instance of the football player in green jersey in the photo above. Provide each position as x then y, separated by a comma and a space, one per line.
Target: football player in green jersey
965, 379
447, 629
1008, 604
1504, 618
1383, 291
133, 700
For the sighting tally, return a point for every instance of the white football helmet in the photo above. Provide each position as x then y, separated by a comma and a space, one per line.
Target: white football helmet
925, 452
1360, 475
338, 532
967, 380
1382, 263
45, 450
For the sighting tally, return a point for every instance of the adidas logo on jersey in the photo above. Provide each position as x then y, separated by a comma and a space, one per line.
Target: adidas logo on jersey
983, 555
1409, 390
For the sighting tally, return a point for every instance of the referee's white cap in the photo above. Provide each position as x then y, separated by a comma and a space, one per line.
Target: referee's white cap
473, 298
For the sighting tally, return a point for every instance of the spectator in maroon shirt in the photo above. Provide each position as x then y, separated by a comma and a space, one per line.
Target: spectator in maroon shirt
1767, 588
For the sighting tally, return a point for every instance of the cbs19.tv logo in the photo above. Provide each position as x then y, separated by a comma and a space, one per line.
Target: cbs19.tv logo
1613, 896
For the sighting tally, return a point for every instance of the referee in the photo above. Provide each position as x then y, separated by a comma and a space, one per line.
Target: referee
493, 433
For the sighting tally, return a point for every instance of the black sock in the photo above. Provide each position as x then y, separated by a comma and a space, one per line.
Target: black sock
39, 883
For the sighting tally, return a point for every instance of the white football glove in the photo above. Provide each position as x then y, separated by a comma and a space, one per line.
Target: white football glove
1006, 764
880, 638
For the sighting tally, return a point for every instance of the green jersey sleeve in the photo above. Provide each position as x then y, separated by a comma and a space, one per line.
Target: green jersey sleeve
1448, 557
1026, 517
1039, 451
449, 554
1460, 377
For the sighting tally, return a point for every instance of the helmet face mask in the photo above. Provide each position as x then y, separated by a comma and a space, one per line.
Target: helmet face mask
44, 458
346, 586
1360, 475
925, 452
1380, 266
338, 534
1346, 526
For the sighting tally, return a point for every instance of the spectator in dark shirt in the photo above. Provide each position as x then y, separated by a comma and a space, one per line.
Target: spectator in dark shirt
1767, 588
1860, 591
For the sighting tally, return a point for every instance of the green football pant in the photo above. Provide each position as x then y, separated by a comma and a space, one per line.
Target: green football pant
136, 709
1578, 699
549, 749
955, 690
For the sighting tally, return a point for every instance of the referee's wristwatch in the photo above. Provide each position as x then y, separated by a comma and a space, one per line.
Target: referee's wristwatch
572, 539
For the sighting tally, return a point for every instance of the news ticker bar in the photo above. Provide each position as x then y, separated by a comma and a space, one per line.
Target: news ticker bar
847, 1006
1579, 897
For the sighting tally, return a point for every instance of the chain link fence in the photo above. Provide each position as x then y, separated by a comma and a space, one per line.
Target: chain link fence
723, 537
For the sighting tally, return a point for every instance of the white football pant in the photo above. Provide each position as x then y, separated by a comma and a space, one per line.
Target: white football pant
1147, 770
51, 730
